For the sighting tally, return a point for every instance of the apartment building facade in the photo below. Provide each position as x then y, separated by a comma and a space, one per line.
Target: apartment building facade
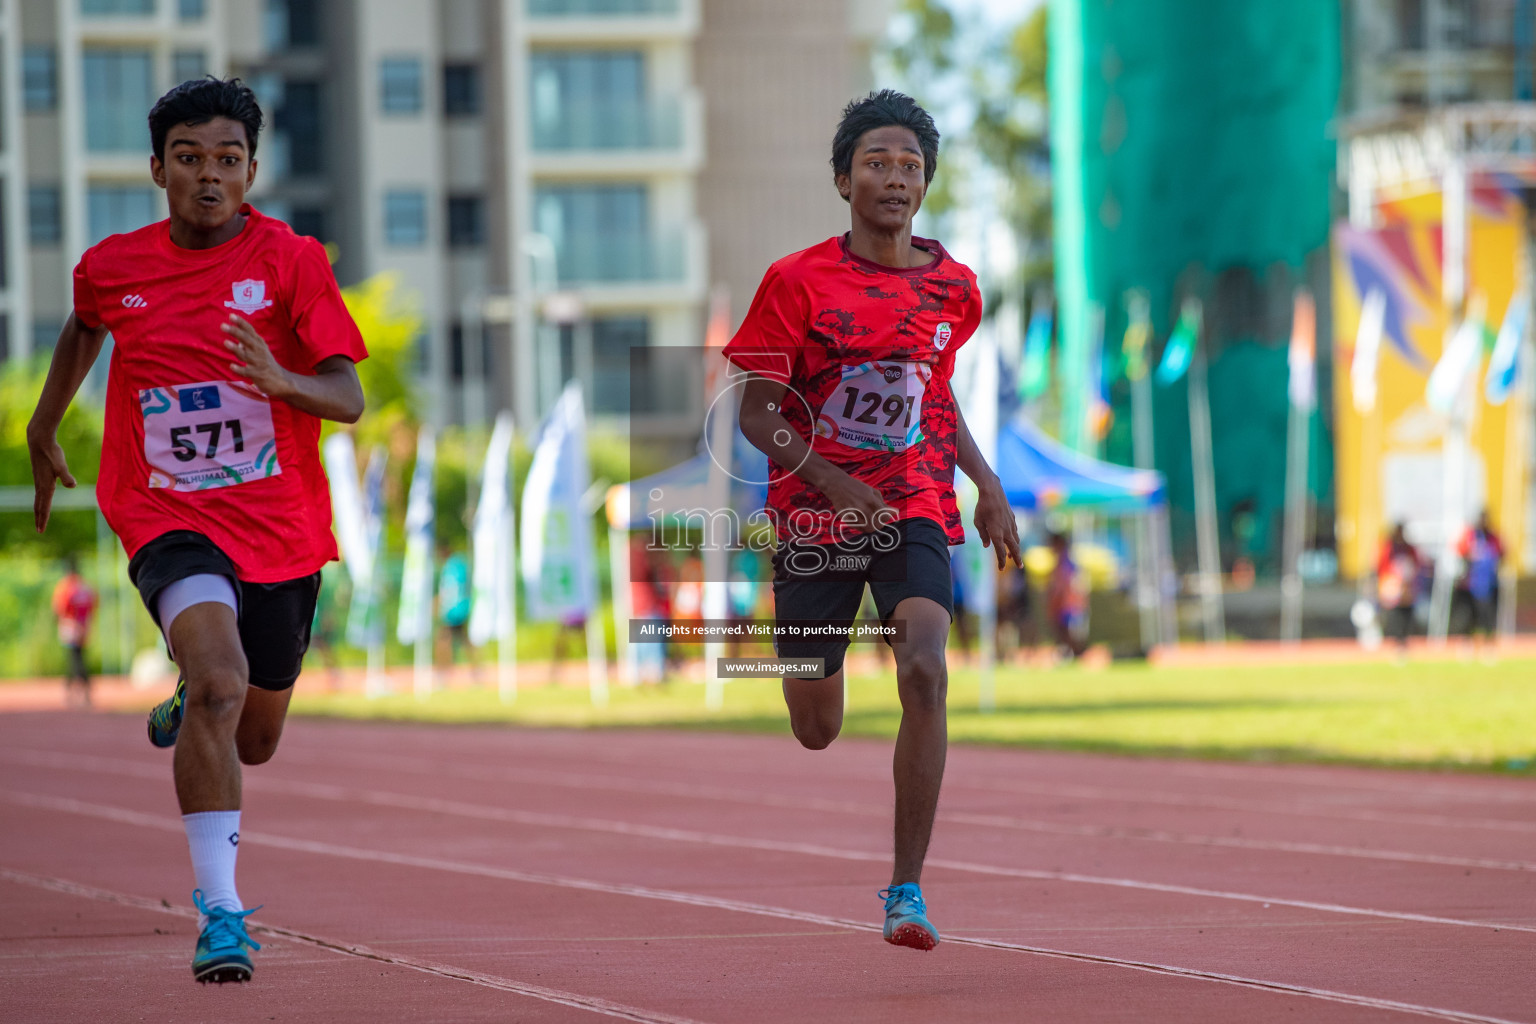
550, 179
1428, 53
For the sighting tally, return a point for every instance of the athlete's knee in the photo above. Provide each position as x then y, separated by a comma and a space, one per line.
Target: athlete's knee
922, 678
257, 749
217, 691
816, 731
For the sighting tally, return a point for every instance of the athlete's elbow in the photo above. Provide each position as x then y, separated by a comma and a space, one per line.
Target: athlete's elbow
352, 408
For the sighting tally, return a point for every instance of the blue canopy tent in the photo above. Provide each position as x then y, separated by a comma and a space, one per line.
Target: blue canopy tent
1040, 476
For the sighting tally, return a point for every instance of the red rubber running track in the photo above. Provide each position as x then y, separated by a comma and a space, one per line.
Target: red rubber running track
423, 873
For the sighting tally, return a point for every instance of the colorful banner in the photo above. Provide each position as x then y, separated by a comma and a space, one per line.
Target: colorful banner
1389, 461
557, 548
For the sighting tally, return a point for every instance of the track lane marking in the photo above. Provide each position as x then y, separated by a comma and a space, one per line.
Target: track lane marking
84, 762
1332, 811
593, 1004
720, 903
481, 812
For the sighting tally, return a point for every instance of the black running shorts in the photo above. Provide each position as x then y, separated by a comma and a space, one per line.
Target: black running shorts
825, 582
274, 618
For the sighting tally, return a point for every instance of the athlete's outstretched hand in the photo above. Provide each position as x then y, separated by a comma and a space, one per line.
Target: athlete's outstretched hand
48, 468
996, 526
257, 364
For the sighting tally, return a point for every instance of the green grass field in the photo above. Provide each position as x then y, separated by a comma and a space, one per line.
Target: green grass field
1441, 714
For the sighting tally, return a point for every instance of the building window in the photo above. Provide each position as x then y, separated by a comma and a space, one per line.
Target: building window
308, 220
119, 88
466, 221
461, 90
292, 23
600, 232
45, 215
191, 10
117, 6
405, 218
299, 120
115, 209
588, 99
400, 85
613, 339
39, 78
188, 64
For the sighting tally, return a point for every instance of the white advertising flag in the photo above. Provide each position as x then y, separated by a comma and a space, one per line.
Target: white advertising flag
1503, 365
347, 505
491, 542
1362, 371
557, 552
416, 583
364, 626
1458, 360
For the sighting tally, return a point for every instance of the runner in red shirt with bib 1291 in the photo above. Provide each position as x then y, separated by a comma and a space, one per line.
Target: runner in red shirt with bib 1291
850, 346
231, 344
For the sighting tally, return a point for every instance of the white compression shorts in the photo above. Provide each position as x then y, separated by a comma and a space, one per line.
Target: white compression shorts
203, 588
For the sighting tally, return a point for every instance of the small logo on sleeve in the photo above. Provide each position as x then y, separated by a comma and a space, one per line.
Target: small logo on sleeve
250, 295
941, 336
199, 399
134, 302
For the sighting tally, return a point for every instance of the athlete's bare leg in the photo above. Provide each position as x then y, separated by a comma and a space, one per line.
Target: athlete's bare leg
208, 652
815, 709
261, 724
922, 681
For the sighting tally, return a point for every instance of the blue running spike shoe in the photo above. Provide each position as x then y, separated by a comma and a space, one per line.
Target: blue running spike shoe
165, 719
906, 917
221, 949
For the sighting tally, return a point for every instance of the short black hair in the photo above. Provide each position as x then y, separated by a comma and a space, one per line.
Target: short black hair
884, 109
199, 101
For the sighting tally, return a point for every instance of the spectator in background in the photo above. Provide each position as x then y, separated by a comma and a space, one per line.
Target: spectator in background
1481, 551
1398, 572
74, 602
1066, 599
1016, 608
453, 603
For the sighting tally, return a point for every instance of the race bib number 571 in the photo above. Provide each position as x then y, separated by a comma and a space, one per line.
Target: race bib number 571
213, 434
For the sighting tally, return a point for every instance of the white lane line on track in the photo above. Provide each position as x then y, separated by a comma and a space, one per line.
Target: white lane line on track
480, 812
433, 805
1330, 810
549, 995
740, 906
87, 763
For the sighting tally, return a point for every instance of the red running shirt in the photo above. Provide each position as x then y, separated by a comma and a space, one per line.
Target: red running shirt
869, 351
187, 445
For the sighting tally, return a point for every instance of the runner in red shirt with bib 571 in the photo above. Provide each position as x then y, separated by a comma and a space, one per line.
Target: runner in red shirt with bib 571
231, 344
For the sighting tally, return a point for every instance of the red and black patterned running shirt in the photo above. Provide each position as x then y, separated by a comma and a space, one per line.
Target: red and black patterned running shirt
867, 352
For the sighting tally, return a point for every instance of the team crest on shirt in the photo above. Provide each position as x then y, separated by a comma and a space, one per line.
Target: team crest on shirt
250, 295
941, 336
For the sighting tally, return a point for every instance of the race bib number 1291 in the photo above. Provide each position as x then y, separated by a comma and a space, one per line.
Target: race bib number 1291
878, 404
213, 434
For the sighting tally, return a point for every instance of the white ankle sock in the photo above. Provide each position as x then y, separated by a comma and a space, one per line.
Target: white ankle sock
214, 838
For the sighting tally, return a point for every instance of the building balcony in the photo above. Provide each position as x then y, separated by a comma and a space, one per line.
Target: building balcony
626, 137
614, 271
591, 21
